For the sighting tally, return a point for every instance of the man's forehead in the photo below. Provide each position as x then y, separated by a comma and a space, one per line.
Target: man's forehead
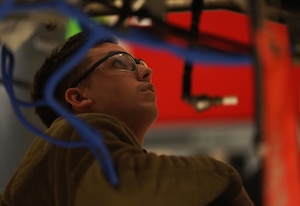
105, 48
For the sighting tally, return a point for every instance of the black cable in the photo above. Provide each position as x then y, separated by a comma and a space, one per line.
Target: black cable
124, 13
196, 9
163, 30
256, 22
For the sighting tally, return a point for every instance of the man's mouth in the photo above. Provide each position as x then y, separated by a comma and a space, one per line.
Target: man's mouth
148, 87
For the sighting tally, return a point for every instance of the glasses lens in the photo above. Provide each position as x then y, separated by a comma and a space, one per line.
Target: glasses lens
120, 61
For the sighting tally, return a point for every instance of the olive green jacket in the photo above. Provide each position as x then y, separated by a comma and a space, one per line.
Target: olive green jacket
57, 176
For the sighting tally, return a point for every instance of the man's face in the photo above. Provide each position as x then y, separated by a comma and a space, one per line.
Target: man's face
127, 95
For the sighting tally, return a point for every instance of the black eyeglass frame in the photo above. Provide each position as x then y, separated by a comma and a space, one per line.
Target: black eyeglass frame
100, 61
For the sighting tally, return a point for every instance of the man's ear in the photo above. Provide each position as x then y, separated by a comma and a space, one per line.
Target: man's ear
75, 97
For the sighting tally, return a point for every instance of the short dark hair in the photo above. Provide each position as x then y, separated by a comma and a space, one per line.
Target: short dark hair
51, 64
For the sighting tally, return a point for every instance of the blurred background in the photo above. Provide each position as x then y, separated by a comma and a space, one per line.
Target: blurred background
249, 90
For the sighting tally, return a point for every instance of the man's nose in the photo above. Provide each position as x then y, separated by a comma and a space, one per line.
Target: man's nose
144, 73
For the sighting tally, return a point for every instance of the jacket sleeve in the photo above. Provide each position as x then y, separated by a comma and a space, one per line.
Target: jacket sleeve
150, 179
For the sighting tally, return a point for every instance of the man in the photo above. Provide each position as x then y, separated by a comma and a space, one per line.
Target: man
112, 91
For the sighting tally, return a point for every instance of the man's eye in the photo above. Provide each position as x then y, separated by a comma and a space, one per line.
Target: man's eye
118, 64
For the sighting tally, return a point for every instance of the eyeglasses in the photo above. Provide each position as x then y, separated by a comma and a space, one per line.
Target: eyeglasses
116, 60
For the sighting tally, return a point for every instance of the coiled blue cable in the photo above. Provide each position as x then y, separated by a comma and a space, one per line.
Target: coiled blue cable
91, 138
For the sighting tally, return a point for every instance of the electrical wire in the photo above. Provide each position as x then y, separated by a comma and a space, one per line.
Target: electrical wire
162, 30
196, 8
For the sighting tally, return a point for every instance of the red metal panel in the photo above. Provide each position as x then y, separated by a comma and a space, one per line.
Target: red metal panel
209, 79
280, 119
